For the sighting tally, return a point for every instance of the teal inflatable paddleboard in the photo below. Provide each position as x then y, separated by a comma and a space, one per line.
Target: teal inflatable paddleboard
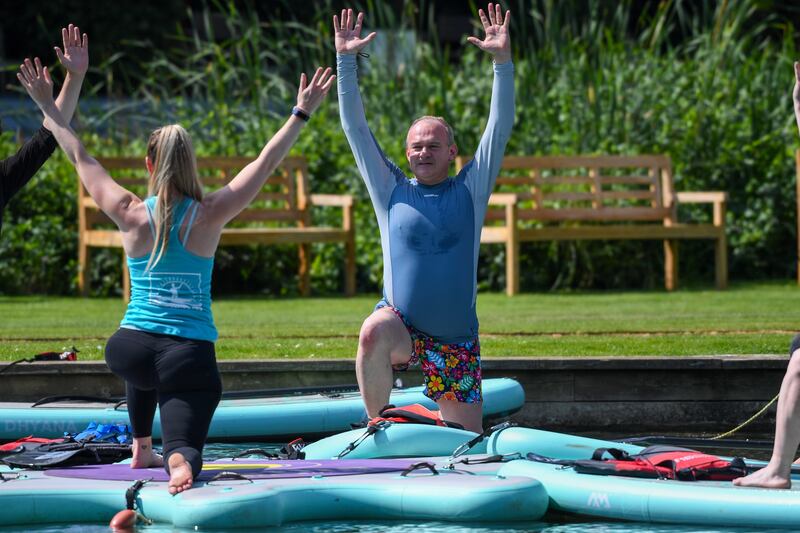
394, 440
255, 494
708, 503
268, 418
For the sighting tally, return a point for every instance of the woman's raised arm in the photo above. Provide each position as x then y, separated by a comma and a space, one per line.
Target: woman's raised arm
229, 201
114, 200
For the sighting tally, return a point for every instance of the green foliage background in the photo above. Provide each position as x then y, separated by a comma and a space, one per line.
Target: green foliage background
708, 83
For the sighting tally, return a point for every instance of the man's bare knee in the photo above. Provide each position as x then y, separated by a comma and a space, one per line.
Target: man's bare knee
369, 338
376, 333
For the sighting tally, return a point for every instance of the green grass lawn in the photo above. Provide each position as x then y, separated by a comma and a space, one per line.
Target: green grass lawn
752, 318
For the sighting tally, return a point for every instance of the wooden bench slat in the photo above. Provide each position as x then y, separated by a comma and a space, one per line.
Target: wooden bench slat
515, 180
613, 214
584, 161
267, 215
573, 180
568, 196
249, 236
272, 213
224, 162
627, 180
103, 238
628, 195
563, 180
630, 231
219, 181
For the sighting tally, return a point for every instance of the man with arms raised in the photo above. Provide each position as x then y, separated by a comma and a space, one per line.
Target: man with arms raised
430, 232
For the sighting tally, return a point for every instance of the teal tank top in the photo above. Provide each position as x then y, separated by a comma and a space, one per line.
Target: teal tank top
174, 297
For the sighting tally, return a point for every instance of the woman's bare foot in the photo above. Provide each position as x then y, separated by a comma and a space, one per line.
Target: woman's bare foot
143, 454
765, 478
180, 474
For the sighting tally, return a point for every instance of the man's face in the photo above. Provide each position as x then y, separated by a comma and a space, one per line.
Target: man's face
428, 152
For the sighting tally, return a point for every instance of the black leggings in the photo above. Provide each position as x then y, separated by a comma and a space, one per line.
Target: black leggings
178, 374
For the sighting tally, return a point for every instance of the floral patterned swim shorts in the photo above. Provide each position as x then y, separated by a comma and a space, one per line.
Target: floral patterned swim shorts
452, 371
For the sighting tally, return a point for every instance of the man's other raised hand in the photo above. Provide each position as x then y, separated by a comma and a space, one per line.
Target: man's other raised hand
496, 40
347, 33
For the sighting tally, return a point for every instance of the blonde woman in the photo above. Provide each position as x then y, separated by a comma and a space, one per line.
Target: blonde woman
164, 349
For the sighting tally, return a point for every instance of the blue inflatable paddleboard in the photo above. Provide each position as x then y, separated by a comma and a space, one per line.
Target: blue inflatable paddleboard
269, 418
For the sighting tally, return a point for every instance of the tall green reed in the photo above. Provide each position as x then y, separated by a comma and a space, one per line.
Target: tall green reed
707, 82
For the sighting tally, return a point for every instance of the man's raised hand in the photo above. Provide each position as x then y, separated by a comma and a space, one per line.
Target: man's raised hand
347, 33
496, 41
37, 82
75, 56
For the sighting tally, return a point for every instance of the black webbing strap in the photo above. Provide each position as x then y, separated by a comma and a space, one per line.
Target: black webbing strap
496, 458
467, 446
420, 466
530, 456
616, 453
371, 430
256, 451
133, 492
289, 452
227, 474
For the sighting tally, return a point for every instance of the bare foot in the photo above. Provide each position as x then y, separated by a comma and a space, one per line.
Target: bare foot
180, 474
147, 460
143, 454
764, 478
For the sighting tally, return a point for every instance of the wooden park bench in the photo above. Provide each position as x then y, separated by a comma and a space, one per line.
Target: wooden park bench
280, 214
551, 198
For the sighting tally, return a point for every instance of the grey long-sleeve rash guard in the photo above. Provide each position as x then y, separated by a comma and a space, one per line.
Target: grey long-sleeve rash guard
430, 234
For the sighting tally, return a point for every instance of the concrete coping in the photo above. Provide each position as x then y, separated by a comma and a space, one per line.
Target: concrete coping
756, 361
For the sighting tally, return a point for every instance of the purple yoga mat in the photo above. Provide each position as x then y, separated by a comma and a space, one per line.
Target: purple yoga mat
250, 468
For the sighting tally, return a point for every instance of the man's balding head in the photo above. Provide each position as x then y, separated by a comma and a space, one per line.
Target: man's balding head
430, 147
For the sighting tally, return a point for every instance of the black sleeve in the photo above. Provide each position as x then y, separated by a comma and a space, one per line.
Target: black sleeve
18, 169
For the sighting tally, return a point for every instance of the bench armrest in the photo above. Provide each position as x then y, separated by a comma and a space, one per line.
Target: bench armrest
345, 201
718, 199
703, 197
504, 198
332, 200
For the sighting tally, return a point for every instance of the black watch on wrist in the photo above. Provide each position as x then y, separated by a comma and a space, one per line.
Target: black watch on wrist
299, 113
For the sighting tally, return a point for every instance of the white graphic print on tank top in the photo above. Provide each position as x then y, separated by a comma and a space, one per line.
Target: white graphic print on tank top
175, 289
